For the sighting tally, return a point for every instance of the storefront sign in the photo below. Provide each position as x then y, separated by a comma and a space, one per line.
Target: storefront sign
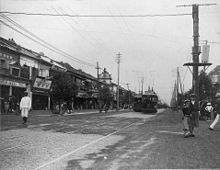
42, 83
12, 83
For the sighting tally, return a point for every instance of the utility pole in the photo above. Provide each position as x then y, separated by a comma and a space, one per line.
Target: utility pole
98, 68
1, 99
196, 50
179, 88
142, 85
129, 97
118, 59
179, 83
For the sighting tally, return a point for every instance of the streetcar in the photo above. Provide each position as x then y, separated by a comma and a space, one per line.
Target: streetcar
146, 103
137, 103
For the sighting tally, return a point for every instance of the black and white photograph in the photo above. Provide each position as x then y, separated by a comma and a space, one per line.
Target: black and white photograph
109, 84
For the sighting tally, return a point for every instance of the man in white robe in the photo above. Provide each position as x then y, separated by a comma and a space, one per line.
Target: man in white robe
25, 106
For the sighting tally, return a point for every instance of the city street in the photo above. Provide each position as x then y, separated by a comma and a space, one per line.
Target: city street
96, 85
113, 140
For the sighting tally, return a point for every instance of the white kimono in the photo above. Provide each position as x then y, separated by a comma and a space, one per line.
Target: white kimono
25, 106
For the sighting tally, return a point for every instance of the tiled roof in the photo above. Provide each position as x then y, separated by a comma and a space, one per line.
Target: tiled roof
15, 47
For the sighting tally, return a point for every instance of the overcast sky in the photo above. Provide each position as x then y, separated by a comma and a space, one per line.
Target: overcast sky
151, 47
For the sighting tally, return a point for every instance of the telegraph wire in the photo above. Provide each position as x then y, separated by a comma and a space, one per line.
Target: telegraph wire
95, 16
59, 13
74, 27
24, 35
51, 47
96, 38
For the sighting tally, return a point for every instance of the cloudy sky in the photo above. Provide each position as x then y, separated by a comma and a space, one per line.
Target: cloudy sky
151, 47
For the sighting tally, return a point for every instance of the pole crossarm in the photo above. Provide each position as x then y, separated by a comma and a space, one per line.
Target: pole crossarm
197, 64
189, 5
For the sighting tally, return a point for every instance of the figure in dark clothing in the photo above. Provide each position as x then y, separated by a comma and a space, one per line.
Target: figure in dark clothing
188, 119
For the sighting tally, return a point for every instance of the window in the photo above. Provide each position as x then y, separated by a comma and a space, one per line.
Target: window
25, 73
15, 71
43, 73
4, 63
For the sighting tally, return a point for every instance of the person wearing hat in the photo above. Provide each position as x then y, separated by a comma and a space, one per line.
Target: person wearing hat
25, 106
209, 110
195, 111
187, 119
217, 109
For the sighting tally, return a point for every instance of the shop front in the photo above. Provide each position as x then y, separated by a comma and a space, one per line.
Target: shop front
82, 100
40, 94
11, 88
40, 100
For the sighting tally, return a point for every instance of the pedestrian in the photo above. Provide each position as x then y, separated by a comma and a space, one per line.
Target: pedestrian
64, 108
209, 111
10, 102
25, 106
202, 110
6, 105
217, 109
187, 119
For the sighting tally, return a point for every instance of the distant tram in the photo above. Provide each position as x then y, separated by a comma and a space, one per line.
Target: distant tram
146, 103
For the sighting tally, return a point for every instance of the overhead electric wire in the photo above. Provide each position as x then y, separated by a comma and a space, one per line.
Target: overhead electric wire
72, 26
51, 47
24, 34
98, 39
96, 15
69, 23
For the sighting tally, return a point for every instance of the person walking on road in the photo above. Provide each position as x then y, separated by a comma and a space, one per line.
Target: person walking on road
25, 106
188, 119
209, 111
195, 111
217, 109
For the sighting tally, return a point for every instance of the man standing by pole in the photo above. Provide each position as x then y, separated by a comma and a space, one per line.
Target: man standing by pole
195, 52
25, 106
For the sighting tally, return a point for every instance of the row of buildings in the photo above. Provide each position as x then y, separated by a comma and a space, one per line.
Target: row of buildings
215, 78
22, 70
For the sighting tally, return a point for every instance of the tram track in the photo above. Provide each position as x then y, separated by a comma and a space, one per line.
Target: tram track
102, 128
71, 152
84, 146
112, 128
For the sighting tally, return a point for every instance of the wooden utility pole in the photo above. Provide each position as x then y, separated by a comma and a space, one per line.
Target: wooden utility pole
118, 59
142, 85
196, 50
1, 99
